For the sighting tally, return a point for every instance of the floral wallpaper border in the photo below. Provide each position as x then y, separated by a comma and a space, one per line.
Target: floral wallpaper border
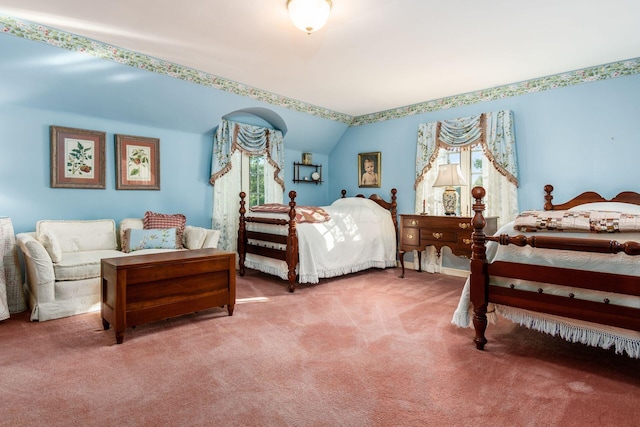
76, 43
570, 78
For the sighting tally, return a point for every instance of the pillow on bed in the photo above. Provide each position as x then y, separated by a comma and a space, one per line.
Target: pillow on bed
304, 214
136, 240
361, 209
355, 201
607, 206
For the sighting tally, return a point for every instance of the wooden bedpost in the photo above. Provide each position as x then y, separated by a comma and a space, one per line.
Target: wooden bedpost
548, 204
394, 209
478, 278
242, 235
292, 243
394, 217
344, 193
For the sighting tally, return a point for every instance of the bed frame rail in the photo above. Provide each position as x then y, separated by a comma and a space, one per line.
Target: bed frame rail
590, 311
593, 280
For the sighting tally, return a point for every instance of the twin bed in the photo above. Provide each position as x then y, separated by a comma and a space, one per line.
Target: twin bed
303, 244
560, 271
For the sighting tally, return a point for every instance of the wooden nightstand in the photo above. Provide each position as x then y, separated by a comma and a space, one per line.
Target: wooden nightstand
419, 231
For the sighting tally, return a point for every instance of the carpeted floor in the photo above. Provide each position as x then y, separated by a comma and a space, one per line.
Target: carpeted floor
367, 349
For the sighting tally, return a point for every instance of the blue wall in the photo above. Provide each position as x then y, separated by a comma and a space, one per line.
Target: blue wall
42, 85
578, 138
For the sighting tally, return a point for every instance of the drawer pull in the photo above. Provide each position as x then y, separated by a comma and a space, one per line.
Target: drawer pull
413, 222
464, 225
467, 241
437, 235
409, 236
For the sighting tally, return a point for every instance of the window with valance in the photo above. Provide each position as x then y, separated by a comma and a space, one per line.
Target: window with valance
233, 145
487, 138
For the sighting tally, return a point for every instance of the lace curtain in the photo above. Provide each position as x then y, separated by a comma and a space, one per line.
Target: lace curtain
493, 131
231, 142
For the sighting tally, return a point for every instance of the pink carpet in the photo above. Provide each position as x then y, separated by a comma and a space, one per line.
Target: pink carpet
368, 349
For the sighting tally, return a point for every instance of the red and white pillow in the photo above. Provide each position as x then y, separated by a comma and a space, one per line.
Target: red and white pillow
153, 220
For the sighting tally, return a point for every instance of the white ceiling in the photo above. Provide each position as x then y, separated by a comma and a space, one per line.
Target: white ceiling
373, 55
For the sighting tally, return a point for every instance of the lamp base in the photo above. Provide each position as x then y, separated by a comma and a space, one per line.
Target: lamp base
450, 201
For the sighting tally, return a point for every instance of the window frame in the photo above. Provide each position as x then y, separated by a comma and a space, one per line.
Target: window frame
246, 177
464, 157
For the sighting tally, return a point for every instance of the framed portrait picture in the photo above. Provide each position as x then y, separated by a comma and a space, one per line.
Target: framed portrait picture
77, 158
137, 163
369, 169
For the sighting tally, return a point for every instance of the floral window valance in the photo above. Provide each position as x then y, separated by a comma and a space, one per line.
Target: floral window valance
493, 130
252, 140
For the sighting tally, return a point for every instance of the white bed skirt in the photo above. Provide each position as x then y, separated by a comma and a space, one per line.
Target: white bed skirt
593, 334
279, 268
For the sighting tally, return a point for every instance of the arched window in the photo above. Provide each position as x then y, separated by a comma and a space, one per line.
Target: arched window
236, 148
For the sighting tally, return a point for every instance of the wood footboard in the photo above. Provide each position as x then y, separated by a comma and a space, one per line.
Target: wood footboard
601, 312
289, 255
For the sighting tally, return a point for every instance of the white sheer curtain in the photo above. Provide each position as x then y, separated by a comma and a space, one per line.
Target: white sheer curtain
226, 204
232, 141
273, 183
494, 132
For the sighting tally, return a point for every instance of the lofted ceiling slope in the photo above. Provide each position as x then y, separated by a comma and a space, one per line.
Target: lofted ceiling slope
373, 55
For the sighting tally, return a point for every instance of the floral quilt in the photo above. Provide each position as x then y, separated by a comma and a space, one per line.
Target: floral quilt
303, 213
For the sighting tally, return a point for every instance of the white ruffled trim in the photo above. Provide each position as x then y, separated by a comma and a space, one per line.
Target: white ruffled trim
325, 274
463, 315
266, 269
461, 319
315, 278
572, 333
308, 278
464, 318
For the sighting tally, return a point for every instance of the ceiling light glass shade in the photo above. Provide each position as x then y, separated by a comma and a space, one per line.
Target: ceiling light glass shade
309, 15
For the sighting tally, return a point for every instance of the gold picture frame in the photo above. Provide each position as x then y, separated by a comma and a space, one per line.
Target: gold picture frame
137, 163
77, 158
370, 170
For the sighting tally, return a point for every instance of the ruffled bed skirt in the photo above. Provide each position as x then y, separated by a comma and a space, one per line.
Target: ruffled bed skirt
584, 332
279, 269
596, 335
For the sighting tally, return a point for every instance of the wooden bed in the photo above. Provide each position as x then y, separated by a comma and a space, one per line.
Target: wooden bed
564, 304
283, 243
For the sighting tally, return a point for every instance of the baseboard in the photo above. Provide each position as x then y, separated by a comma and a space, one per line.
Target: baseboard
444, 270
454, 272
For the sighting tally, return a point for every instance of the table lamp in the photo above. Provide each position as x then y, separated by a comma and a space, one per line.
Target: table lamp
449, 176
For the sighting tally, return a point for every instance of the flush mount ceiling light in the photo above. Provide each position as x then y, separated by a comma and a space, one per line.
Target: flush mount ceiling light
309, 15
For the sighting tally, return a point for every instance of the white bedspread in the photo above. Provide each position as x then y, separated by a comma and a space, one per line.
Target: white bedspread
572, 330
359, 235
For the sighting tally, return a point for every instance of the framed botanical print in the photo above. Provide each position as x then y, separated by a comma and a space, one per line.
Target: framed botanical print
137, 163
369, 169
77, 158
